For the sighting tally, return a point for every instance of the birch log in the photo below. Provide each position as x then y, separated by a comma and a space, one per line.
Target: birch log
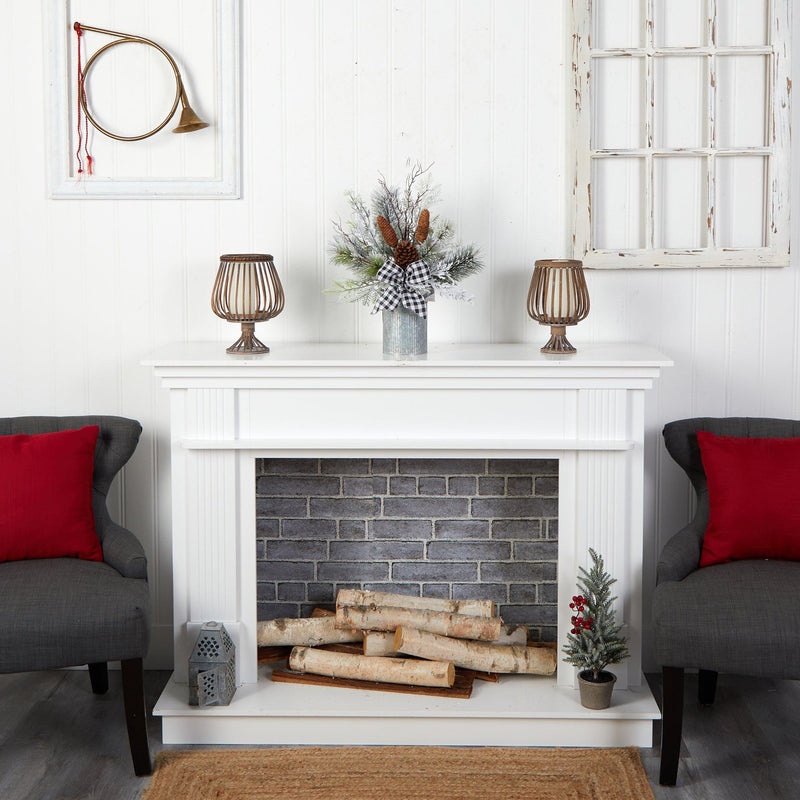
389, 618
513, 634
364, 668
308, 632
476, 655
361, 597
379, 643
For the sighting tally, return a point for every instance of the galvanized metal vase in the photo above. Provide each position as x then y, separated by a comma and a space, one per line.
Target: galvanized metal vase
405, 334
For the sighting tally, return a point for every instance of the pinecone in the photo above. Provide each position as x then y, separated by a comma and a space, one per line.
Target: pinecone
387, 231
423, 226
405, 253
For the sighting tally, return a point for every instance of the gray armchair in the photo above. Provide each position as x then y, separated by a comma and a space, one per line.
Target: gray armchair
62, 612
734, 617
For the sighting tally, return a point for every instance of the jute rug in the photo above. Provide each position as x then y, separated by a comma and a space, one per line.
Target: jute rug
400, 773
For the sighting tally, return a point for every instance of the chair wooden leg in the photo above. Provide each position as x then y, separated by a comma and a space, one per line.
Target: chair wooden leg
706, 687
98, 675
136, 715
671, 724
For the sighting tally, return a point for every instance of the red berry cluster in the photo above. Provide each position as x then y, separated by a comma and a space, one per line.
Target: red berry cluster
579, 604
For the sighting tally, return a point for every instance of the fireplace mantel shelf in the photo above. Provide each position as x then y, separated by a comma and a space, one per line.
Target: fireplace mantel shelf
464, 448
499, 401
211, 355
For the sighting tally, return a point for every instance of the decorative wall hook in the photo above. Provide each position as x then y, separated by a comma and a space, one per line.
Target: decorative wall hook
189, 121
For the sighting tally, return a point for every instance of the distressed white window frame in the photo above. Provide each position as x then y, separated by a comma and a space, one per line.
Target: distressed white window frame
775, 251
59, 37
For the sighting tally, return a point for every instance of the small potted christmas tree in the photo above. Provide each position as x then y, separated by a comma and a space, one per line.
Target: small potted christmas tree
594, 641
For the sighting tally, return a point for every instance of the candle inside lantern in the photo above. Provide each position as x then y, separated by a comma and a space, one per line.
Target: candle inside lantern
244, 290
559, 294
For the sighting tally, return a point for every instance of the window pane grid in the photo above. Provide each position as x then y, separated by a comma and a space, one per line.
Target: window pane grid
688, 52
707, 155
603, 152
711, 128
649, 199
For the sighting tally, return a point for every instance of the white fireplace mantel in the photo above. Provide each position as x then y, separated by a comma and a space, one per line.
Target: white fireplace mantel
335, 400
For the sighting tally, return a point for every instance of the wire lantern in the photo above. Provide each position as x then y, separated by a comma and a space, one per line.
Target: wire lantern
247, 290
558, 297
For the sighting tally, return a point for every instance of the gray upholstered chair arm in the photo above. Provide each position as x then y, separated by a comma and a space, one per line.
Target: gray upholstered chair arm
681, 554
123, 551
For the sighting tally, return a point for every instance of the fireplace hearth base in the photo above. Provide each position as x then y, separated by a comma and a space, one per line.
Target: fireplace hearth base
520, 710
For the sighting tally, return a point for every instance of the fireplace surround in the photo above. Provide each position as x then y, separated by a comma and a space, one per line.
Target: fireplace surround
345, 401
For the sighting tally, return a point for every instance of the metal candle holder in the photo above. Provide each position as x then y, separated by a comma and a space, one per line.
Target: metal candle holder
247, 290
558, 297
212, 667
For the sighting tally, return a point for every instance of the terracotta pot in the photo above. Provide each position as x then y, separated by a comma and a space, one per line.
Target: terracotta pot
596, 694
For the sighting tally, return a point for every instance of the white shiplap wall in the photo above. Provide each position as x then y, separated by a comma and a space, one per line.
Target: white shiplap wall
335, 91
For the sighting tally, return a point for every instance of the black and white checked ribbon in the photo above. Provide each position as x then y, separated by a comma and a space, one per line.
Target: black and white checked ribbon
408, 286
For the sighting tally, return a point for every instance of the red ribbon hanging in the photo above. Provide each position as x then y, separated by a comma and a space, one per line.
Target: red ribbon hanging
83, 122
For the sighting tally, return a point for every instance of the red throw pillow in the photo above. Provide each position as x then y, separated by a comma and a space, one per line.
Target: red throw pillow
753, 496
46, 496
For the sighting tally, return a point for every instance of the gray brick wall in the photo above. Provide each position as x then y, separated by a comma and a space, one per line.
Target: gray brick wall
453, 528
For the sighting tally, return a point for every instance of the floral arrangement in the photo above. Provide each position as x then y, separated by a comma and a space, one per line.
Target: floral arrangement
594, 641
364, 243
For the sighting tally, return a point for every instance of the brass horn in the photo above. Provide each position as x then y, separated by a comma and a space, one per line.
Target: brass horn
189, 121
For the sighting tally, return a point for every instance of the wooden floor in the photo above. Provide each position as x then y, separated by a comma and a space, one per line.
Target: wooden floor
58, 741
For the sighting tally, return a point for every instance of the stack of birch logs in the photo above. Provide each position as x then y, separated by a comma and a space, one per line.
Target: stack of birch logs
440, 634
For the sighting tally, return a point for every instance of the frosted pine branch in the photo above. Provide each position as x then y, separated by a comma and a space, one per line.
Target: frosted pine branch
358, 245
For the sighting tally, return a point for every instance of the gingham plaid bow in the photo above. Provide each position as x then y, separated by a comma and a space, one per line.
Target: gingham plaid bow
408, 286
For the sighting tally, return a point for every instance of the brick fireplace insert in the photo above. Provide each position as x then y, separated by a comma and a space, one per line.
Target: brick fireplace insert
483, 403
452, 528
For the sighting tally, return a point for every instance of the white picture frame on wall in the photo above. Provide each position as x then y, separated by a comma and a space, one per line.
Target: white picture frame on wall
160, 167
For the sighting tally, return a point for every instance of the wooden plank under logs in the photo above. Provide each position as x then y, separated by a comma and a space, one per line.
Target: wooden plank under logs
272, 653
487, 677
460, 690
